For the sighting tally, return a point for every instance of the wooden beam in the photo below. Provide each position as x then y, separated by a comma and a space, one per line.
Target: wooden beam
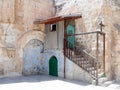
56, 19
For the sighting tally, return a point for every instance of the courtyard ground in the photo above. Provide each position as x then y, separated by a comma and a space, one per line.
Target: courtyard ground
45, 82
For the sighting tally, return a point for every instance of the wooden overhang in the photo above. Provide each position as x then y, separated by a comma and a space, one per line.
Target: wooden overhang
57, 18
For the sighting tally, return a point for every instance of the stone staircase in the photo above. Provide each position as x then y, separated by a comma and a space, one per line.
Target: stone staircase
87, 62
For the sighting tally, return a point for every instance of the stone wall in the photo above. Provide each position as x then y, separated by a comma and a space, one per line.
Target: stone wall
7, 11
111, 13
17, 29
72, 70
93, 12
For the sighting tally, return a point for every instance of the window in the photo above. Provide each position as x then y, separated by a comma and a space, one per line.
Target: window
53, 27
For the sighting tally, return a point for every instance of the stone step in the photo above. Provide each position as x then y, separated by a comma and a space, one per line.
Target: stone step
86, 65
93, 71
84, 61
91, 68
101, 81
77, 57
107, 83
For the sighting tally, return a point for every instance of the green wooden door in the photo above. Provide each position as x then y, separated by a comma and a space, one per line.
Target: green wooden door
70, 31
53, 67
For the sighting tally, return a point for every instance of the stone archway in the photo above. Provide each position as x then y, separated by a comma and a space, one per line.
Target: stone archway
23, 40
32, 57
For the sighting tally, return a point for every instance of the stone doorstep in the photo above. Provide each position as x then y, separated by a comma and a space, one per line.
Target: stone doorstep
104, 82
107, 83
114, 84
101, 81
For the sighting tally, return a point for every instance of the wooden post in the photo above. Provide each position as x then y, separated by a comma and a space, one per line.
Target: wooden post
64, 49
97, 45
104, 52
64, 58
102, 25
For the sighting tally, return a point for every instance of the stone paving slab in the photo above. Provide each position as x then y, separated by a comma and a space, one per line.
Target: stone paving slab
44, 82
115, 85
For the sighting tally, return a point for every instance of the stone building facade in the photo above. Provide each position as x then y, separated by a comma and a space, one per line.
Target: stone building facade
20, 37
93, 12
21, 40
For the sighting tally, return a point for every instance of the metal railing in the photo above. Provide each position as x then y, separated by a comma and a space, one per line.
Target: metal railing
79, 54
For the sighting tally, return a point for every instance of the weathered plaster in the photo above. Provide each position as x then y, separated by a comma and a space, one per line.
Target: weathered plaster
33, 58
17, 29
72, 70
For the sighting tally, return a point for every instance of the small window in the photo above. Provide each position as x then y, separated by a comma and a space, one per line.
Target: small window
53, 27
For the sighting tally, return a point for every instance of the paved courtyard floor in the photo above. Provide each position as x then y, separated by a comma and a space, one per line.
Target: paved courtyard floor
44, 82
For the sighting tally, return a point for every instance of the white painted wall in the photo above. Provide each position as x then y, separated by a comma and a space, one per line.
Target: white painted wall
51, 38
54, 47
32, 58
54, 39
72, 70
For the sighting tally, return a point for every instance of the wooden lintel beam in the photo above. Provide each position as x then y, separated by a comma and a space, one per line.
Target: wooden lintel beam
56, 19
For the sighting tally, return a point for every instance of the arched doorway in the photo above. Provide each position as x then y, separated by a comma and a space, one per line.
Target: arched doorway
53, 66
32, 54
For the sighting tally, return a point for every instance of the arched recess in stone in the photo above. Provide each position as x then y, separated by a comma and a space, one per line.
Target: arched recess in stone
23, 41
32, 57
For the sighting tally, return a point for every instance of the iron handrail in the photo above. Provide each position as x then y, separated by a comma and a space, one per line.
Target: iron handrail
83, 33
85, 52
88, 57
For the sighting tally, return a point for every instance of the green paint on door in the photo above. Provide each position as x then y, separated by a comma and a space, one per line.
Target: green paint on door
70, 31
53, 66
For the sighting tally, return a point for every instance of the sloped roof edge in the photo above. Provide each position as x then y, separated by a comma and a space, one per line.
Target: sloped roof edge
58, 18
